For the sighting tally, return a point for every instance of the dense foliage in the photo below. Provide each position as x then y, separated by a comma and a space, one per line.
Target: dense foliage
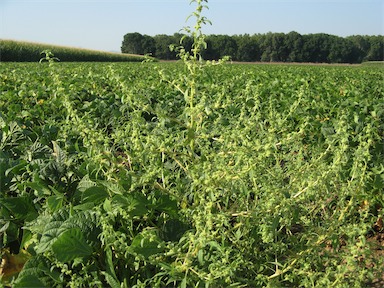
270, 47
197, 174
17, 51
106, 182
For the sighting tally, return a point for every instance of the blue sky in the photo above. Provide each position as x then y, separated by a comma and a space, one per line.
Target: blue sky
101, 24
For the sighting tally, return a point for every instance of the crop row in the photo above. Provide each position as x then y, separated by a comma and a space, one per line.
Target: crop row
18, 51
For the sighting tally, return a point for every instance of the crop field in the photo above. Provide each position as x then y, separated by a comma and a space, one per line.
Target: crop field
163, 175
21, 51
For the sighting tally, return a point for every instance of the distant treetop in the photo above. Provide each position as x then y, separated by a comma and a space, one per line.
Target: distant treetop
269, 47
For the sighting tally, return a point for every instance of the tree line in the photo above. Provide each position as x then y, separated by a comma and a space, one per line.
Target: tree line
269, 47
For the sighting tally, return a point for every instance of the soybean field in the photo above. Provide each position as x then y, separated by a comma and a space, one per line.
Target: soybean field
169, 175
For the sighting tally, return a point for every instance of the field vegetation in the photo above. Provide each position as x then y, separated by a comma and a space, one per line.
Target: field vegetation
374, 63
191, 174
105, 179
18, 51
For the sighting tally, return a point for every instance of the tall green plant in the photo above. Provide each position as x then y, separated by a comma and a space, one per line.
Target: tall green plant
49, 57
194, 63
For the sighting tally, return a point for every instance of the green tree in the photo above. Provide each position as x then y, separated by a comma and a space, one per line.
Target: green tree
341, 50
280, 47
376, 48
135, 43
162, 43
294, 43
247, 48
360, 47
219, 46
269, 47
316, 48
268, 55
148, 45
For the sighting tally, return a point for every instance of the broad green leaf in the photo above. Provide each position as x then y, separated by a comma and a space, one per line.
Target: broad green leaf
49, 236
147, 243
30, 281
71, 245
61, 222
16, 169
85, 183
37, 271
90, 191
21, 208
40, 188
112, 187
135, 204
125, 180
87, 221
84, 207
166, 204
55, 202
173, 229
94, 194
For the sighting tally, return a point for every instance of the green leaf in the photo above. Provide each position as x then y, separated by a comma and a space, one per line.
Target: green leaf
86, 221
183, 283
27, 236
40, 188
59, 155
21, 208
16, 169
200, 257
84, 207
29, 281
61, 222
135, 204
112, 281
109, 263
125, 180
95, 194
173, 230
85, 183
107, 205
37, 273
71, 245
4, 165
164, 203
147, 243
90, 191
55, 202
49, 236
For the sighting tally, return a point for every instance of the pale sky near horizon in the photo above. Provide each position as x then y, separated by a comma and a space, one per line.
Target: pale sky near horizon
101, 24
